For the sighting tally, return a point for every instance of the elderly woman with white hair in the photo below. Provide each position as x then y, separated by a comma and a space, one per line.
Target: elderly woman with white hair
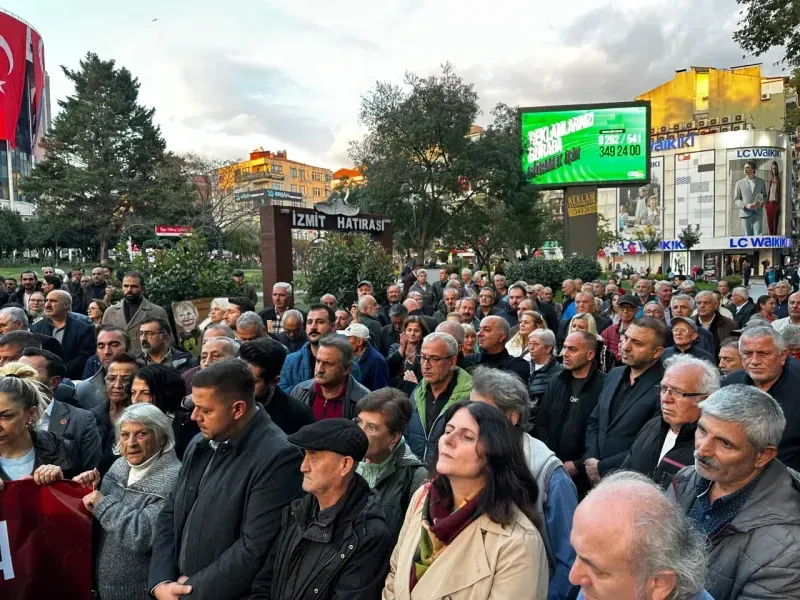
215, 313
129, 500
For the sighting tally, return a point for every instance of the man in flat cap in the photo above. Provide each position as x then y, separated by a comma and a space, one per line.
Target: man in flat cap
333, 541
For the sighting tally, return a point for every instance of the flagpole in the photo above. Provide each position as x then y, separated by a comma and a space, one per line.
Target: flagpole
10, 176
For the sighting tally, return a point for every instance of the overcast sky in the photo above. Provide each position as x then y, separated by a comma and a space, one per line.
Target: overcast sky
226, 77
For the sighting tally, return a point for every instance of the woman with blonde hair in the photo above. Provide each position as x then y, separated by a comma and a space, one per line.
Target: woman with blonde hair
586, 322
26, 450
470, 339
529, 321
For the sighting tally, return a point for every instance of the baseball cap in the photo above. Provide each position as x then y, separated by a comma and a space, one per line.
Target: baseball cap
629, 299
365, 282
689, 322
356, 330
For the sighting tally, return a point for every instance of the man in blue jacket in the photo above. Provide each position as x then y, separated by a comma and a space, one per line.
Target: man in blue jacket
374, 368
75, 336
299, 366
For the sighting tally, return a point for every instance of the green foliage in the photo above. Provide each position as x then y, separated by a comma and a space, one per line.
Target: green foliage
244, 240
734, 281
552, 272
185, 272
649, 236
770, 24
12, 231
690, 236
105, 159
343, 261
607, 236
420, 167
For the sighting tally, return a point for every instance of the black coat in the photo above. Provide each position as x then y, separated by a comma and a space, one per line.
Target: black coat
742, 315
610, 440
79, 426
540, 380
695, 350
49, 449
388, 337
78, 343
549, 314
288, 413
374, 326
503, 361
643, 457
353, 551
557, 412
235, 514
50, 344
396, 486
785, 392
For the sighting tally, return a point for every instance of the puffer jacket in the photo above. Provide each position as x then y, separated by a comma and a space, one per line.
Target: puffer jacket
421, 444
757, 555
540, 379
355, 551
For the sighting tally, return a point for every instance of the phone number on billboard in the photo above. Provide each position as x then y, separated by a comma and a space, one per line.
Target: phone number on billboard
612, 151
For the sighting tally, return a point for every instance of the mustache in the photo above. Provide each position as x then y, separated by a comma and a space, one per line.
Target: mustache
705, 461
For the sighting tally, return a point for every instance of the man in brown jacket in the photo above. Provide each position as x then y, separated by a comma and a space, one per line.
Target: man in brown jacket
709, 318
132, 310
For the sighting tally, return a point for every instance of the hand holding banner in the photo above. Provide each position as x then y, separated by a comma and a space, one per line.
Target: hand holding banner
45, 541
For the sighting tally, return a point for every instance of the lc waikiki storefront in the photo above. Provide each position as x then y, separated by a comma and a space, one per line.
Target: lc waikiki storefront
694, 182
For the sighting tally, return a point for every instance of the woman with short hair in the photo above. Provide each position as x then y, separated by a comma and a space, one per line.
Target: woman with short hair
215, 313
471, 534
96, 310
390, 467
129, 499
25, 449
766, 307
470, 339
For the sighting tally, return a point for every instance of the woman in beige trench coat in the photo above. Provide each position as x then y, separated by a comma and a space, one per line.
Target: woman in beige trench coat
471, 534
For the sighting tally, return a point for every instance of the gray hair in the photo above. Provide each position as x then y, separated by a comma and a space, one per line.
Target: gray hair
292, 314
365, 301
660, 284
468, 271
790, 335
451, 328
709, 375
223, 329
506, 390
339, 342
449, 341
746, 405
655, 303
232, 345
250, 319
65, 297
398, 310
151, 417
284, 285
220, 303
683, 297
587, 294
450, 289
545, 336
705, 293
665, 539
741, 291
452, 284
16, 315
688, 284
760, 332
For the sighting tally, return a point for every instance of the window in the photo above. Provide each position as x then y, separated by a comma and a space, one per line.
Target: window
317, 176
700, 92
303, 190
317, 193
293, 188
303, 174
277, 185
772, 87
293, 171
277, 168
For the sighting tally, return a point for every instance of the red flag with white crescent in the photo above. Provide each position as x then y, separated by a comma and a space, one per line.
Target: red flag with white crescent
13, 36
39, 72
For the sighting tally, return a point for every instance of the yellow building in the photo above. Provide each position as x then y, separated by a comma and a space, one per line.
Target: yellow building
351, 176
718, 100
278, 177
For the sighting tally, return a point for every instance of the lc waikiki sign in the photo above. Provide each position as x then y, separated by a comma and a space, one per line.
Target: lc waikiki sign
742, 242
685, 141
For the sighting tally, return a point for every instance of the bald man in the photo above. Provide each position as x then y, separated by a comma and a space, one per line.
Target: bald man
632, 543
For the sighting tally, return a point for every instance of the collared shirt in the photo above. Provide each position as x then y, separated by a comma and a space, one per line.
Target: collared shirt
711, 518
623, 392
59, 333
44, 420
147, 358
277, 323
434, 404
328, 408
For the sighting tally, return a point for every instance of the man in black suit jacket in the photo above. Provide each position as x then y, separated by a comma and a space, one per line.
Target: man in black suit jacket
13, 318
76, 336
741, 306
63, 420
629, 398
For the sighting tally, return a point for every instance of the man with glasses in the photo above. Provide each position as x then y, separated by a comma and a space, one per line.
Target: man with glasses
443, 384
111, 341
629, 398
154, 339
119, 374
293, 336
665, 444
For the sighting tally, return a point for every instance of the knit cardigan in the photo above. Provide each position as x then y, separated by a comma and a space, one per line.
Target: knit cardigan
127, 516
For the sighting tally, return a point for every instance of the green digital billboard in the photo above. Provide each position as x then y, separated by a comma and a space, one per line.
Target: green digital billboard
593, 145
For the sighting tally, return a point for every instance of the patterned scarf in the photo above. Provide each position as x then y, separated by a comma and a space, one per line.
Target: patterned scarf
439, 528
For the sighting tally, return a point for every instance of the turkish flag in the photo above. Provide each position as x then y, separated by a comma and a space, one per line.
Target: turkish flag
39, 78
13, 36
45, 541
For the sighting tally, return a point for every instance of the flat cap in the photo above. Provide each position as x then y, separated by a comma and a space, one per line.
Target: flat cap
364, 282
342, 436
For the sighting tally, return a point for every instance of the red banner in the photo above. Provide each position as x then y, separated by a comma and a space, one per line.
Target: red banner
45, 541
175, 230
37, 102
13, 60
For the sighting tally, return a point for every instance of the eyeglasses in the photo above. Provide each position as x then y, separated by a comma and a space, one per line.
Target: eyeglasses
435, 360
677, 394
369, 428
123, 380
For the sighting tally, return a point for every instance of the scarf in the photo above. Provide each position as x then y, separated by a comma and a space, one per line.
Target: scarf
439, 528
373, 472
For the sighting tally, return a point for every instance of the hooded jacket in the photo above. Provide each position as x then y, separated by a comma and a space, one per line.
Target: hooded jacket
757, 554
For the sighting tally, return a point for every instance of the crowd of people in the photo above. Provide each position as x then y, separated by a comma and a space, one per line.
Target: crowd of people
467, 438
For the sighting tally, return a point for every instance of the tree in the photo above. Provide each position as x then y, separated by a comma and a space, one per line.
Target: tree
244, 241
650, 237
770, 24
421, 168
12, 231
690, 236
343, 261
607, 237
104, 156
